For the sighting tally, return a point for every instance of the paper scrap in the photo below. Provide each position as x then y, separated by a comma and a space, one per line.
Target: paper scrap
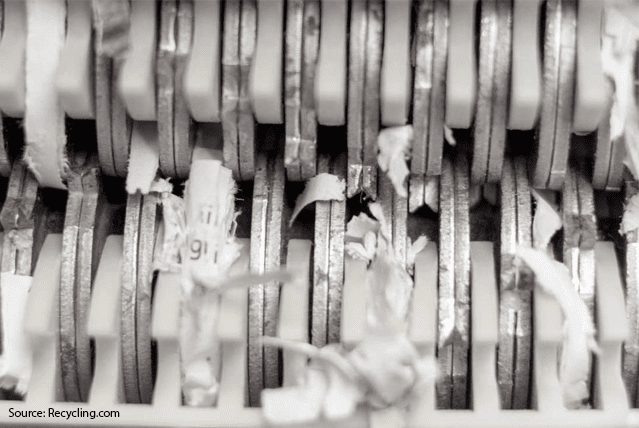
144, 158
546, 221
394, 146
16, 359
364, 250
361, 237
579, 331
322, 187
630, 219
389, 289
161, 185
170, 253
342, 396
380, 372
618, 46
244, 281
360, 225
211, 250
378, 213
391, 368
384, 370
388, 284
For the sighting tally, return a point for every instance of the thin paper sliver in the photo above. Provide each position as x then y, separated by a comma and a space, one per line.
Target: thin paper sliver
545, 223
394, 146
579, 331
322, 187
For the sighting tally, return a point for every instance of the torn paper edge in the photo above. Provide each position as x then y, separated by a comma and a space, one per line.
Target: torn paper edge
45, 134
322, 187
618, 45
394, 145
630, 219
554, 279
369, 238
546, 222
349, 379
210, 218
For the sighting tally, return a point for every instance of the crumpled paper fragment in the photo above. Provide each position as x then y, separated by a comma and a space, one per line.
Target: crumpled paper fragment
198, 240
378, 213
342, 396
388, 284
200, 347
161, 185
381, 372
546, 222
389, 289
388, 366
296, 404
630, 220
385, 369
360, 225
394, 144
579, 331
364, 250
200, 384
618, 45
210, 251
322, 187
361, 237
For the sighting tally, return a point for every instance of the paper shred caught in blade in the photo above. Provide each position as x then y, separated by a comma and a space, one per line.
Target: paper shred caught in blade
545, 223
394, 146
210, 249
618, 45
322, 187
630, 220
579, 331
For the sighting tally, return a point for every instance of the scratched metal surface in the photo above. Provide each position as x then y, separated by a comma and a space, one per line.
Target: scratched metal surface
128, 299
